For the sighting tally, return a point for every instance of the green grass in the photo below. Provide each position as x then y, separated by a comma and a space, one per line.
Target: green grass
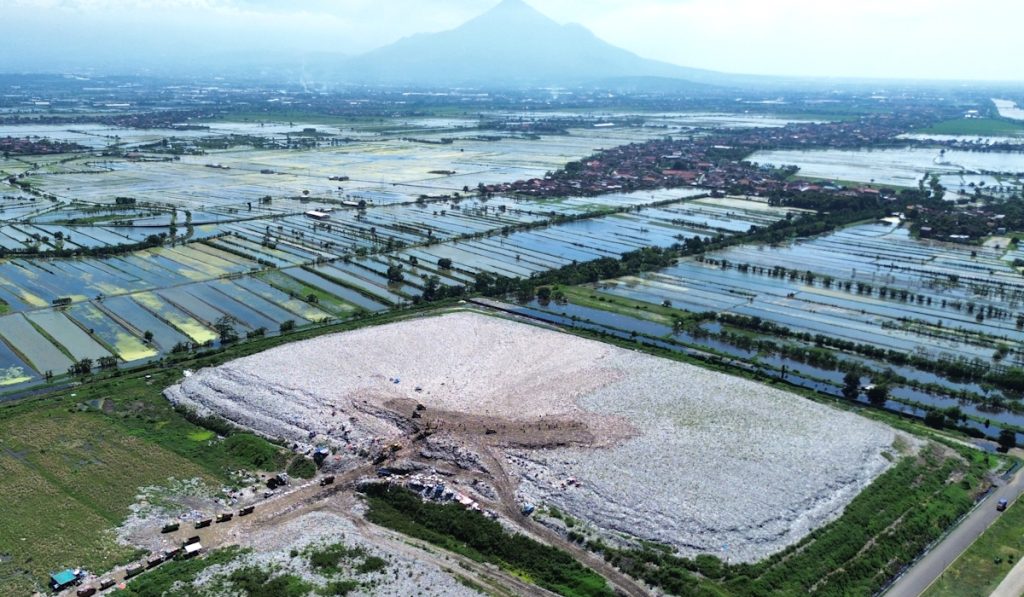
325, 300
201, 436
69, 472
156, 583
471, 534
4, 307
253, 581
586, 296
302, 467
980, 569
329, 559
64, 479
983, 127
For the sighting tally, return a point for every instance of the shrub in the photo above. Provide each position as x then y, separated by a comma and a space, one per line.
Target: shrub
302, 467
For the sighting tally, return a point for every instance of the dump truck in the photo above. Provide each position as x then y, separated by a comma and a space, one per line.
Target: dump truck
133, 570
170, 527
328, 480
224, 517
202, 524
246, 510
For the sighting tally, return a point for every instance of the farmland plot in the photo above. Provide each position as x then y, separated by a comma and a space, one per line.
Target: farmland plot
38, 350
73, 338
131, 313
128, 346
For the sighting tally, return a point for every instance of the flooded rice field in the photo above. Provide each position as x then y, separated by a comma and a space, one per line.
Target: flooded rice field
896, 167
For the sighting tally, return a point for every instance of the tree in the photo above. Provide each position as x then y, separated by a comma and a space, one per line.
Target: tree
82, 367
444, 263
851, 385
544, 294
287, 326
1007, 440
483, 281
147, 336
935, 419
225, 327
878, 394
395, 274
431, 287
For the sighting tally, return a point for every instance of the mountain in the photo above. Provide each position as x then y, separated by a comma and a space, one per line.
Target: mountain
511, 45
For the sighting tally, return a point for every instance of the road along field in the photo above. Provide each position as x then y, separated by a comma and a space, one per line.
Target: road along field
633, 444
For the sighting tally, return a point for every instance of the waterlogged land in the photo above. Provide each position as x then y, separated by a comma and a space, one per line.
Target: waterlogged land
893, 167
938, 324
123, 246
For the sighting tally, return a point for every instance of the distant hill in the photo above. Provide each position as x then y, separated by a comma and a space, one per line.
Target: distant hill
511, 45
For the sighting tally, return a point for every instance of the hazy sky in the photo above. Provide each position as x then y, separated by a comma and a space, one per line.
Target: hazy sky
947, 39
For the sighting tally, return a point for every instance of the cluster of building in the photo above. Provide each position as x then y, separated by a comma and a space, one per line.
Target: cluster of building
32, 146
715, 161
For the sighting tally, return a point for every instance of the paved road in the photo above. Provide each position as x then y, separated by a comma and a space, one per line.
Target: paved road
924, 573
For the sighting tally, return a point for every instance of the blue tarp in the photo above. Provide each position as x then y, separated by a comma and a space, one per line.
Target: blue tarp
63, 578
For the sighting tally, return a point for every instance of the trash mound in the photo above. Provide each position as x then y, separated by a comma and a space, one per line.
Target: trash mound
700, 460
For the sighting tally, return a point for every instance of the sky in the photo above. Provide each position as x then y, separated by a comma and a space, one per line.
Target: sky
918, 39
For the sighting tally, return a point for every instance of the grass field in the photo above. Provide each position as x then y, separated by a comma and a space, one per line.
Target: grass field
586, 296
70, 467
980, 569
994, 127
65, 478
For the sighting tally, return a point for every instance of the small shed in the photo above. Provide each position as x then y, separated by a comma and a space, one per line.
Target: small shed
63, 579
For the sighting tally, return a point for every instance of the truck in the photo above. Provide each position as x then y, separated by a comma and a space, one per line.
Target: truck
170, 527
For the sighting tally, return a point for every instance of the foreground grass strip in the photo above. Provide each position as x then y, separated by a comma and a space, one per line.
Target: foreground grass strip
980, 569
471, 534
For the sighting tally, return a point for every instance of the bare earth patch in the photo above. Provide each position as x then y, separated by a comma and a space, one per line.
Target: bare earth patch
661, 450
